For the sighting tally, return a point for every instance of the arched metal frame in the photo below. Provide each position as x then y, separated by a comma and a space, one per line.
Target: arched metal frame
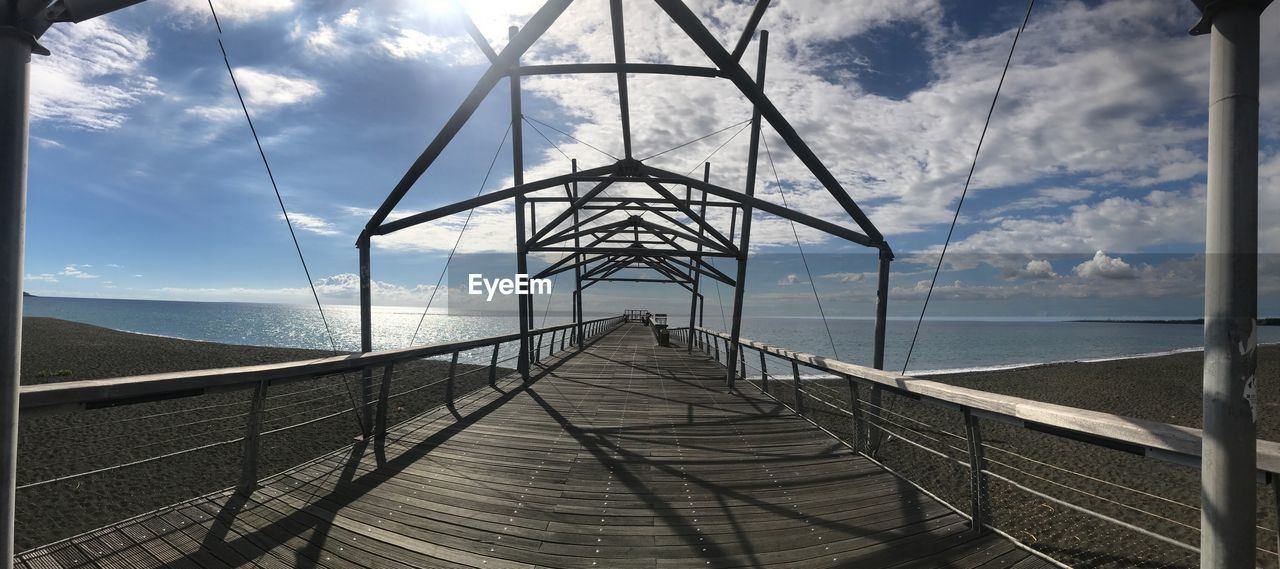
596, 244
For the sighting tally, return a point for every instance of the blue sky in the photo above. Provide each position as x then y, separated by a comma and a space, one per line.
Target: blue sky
1088, 199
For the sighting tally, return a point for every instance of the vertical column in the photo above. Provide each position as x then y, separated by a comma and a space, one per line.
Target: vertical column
517, 169
366, 332
1228, 464
15, 59
875, 435
577, 262
697, 261
740, 283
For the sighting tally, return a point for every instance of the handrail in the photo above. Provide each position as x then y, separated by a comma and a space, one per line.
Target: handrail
93, 393
1163, 441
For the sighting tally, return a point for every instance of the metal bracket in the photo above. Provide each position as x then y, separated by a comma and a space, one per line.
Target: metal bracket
1210, 8
26, 36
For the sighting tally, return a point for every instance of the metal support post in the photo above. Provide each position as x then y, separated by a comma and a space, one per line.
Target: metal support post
979, 505
448, 384
493, 367
384, 400
764, 374
876, 436
249, 457
15, 59
740, 283
856, 422
795, 376
697, 276
577, 268
366, 332
517, 165
1229, 455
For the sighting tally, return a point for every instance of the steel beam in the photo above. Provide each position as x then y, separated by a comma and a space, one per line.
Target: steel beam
1228, 468
620, 57
501, 67
481, 41
633, 251
752, 23
567, 213
486, 199
739, 289
660, 176
692, 26
664, 192
636, 68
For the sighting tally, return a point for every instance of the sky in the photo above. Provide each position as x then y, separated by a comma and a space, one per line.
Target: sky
1088, 198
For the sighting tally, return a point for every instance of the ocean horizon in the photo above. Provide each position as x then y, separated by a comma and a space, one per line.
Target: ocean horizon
945, 344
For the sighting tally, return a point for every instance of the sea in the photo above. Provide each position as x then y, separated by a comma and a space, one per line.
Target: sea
943, 344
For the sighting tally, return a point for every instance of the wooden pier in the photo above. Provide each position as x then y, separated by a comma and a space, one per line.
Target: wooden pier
623, 455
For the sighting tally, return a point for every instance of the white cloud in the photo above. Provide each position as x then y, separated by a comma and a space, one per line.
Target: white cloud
97, 73
1102, 266
263, 89
350, 18
230, 10
1034, 269
337, 289
1115, 223
1040, 269
490, 230
47, 142
411, 44
312, 223
1043, 198
789, 280
43, 278
75, 271
844, 277
322, 39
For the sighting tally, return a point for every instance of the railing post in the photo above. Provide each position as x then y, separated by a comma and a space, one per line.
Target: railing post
742, 362
493, 366
764, 374
249, 459
448, 384
978, 492
795, 374
537, 352
384, 399
717, 344
366, 402
857, 423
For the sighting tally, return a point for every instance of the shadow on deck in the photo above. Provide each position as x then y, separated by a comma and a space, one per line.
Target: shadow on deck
626, 455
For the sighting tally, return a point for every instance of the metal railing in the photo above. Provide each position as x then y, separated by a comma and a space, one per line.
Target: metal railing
92, 446
1078, 486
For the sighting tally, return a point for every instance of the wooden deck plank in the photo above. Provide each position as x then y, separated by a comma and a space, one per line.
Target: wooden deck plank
624, 455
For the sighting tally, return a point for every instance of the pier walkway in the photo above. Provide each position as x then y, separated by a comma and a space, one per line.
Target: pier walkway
624, 455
